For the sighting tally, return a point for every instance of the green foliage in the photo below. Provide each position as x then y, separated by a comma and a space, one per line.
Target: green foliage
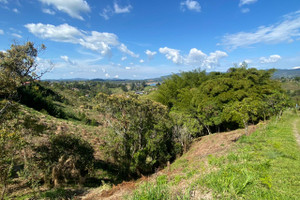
17, 65
40, 98
65, 158
10, 145
205, 103
150, 191
140, 139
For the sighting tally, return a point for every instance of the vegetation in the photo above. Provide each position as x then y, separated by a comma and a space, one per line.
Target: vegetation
205, 103
141, 139
263, 165
58, 135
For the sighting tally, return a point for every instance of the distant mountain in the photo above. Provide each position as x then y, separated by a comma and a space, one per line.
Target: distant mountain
286, 73
69, 79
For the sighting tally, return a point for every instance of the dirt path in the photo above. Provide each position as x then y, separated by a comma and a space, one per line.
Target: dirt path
296, 131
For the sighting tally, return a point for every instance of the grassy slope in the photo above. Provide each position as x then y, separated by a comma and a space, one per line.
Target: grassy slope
264, 165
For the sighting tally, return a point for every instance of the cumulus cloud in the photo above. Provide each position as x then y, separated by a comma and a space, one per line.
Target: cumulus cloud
48, 11
117, 76
172, 54
142, 61
101, 42
123, 58
194, 58
127, 68
71, 7
117, 9
107, 75
270, 59
190, 5
246, 2
150, 54
1, 32
284, 31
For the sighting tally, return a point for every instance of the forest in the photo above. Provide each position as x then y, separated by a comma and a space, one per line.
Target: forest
69, 136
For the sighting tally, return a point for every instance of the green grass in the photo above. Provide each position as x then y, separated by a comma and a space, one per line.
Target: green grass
265, 166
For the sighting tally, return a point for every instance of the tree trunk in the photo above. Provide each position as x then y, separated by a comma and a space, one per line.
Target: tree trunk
208, 129
246, 127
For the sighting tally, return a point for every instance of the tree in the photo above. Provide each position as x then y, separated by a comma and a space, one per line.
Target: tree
140, 139
17, 66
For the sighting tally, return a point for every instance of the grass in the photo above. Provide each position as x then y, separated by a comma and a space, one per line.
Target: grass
265, 166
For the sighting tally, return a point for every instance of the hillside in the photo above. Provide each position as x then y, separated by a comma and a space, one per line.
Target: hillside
59, 140
226, 165
260, 166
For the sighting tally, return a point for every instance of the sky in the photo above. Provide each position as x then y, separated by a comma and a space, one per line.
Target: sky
140, 39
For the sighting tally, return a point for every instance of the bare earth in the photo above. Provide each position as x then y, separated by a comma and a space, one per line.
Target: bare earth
296, 131
215, 144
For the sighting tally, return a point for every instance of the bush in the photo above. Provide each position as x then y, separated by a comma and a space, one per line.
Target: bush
65, 159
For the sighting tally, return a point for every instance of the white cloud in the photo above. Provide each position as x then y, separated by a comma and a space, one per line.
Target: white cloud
194, 58
61, 33
1, 32
119, 10
123, 48
71, 7
15, 10
150, 54
106, 13
16, 35
191, 5
270, 59
296, 67
123, 58
117, 76
96, 41
246, 2
48, 11
127, 68
142, 61
284, 31
107, 75
172, 54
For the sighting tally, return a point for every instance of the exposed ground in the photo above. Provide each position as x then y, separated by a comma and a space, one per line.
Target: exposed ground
196, 158
295, 129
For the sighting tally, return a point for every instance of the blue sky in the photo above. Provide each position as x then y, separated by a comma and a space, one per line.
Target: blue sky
139, 39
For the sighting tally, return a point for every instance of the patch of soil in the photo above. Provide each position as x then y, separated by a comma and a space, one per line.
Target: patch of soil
217, 143
296, 132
